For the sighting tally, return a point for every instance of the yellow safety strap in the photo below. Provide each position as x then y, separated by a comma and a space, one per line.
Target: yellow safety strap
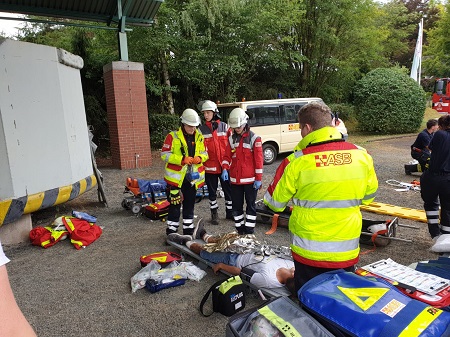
283, 326
421, 322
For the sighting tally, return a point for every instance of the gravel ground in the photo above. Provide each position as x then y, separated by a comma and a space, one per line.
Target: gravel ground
65, 292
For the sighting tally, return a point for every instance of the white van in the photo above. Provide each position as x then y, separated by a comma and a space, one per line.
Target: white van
275, 121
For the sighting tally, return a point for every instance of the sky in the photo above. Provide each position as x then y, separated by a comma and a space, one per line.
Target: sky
9, 27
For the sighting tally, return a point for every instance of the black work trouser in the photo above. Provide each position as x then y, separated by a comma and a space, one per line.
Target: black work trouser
239, 192
303, 273
189, 194
435, 189
212, 181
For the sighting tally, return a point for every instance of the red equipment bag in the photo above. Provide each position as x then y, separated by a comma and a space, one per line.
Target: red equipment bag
158, 210
163, 258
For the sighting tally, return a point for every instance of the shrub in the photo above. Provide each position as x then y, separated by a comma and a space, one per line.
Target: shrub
389, 101
160, 126
346, 112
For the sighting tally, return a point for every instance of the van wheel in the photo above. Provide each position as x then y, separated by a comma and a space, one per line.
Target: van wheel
269, 153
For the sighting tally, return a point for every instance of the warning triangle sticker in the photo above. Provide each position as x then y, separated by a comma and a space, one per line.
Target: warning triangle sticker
364, 297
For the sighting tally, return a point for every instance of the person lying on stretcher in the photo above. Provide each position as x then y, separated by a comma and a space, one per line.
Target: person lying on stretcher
264, 271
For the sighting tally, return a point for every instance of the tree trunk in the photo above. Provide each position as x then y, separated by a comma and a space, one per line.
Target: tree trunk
167, 93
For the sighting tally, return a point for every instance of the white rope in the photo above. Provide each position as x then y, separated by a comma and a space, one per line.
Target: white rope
404, 186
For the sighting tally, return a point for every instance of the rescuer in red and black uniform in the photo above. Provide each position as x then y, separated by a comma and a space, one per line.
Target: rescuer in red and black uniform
216, 135
244, 160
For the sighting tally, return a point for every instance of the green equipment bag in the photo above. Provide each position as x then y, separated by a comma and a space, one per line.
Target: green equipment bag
278, 317
228, 296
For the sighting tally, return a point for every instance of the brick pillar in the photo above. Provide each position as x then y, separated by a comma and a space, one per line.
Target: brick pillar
126, 104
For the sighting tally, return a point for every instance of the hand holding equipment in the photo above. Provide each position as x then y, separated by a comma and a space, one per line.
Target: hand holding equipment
187, 161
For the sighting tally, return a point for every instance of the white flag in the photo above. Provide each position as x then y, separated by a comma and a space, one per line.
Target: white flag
416, 67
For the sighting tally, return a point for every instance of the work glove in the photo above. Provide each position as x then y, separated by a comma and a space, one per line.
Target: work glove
257, 185
224, 175
175, 197
187, 161
197, 160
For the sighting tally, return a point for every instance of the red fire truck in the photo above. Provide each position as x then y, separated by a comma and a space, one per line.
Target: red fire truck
441, 95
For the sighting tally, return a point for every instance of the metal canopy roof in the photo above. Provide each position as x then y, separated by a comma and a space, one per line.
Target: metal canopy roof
121, 12
134, 12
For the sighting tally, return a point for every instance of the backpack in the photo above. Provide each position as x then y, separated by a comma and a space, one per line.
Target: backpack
348, 304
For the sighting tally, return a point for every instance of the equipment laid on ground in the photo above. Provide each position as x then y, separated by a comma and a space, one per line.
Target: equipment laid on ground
348, 304
425, 287
157, 210
154, 286
140, 193
376, 232
228, 297
163, 258
401, 212
404, 187
276, 317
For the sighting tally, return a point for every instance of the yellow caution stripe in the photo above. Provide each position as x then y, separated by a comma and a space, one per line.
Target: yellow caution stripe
12, 209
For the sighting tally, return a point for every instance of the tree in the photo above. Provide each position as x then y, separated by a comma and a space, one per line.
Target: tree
334, 42
436, 60
388, 101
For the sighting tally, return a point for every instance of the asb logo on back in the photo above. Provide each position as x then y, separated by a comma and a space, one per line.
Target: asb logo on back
333, 159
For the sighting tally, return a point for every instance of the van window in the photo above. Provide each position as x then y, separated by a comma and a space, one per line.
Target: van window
263, 115
275, 121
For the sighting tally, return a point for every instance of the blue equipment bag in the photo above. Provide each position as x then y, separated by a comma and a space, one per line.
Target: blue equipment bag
352, 305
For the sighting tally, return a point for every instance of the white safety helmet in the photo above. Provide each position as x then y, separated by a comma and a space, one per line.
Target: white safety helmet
190, 117
237, 118
209, 105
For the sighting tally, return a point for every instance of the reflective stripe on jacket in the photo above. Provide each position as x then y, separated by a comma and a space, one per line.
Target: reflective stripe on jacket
327, 180
172, 153
82, 232
215, 144
244, 158
46, 236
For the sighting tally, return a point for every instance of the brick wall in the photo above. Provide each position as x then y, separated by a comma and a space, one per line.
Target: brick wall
126, 104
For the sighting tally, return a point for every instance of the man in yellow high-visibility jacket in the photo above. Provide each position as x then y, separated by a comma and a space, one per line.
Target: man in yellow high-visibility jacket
327, 180
184, 153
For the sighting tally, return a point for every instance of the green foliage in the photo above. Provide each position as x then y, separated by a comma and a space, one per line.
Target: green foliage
437, 54
389, 101
96, 117
346, 112
160, 126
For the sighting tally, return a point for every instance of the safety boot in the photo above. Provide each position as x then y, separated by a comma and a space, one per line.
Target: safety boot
214, 217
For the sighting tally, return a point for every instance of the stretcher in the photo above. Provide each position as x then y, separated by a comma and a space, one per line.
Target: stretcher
378, 237
204, 264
